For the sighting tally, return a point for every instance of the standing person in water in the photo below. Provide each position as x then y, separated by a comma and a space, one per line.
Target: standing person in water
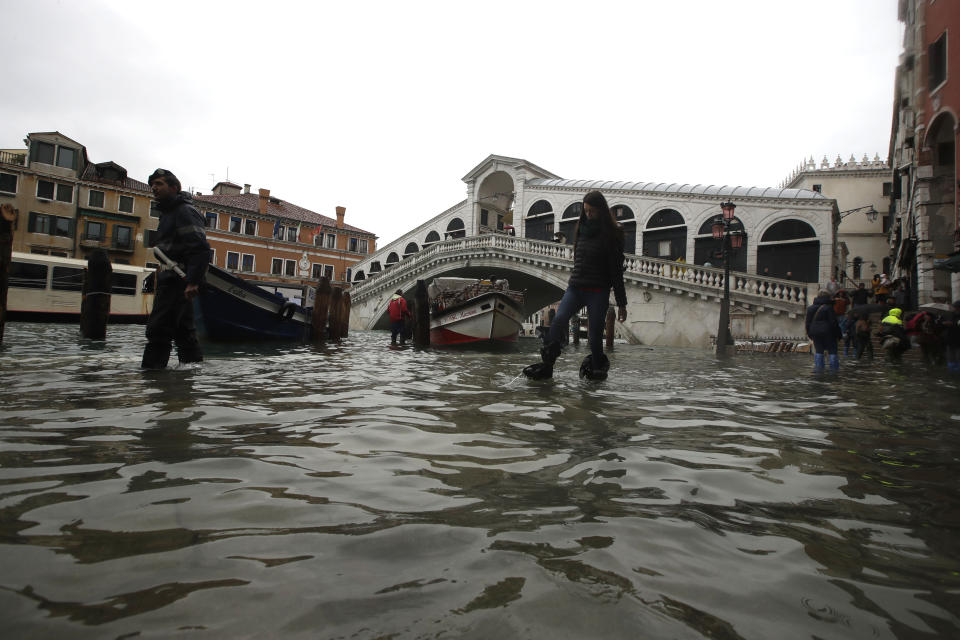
597, 266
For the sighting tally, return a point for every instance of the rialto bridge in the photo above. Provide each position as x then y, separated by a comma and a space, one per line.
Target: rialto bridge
517, 223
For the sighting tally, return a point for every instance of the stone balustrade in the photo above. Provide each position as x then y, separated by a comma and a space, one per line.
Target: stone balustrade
746, 289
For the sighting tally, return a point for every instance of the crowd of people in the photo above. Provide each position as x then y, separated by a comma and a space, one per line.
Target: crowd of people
839, 317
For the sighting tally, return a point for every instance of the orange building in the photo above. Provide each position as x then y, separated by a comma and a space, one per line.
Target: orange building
261, 237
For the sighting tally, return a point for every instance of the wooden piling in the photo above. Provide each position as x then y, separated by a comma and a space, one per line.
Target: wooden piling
95, 304
336, 295
575, 327
611, 317
8, 219
345, 314
421, 315
321, 306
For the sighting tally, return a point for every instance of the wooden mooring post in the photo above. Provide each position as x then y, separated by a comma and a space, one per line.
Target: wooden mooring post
333, 331
321, 306
8, 219
345, 314
611, 318
95, 304
421, 315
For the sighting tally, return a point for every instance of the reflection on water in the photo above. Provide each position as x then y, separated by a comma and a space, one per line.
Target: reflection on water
360, 491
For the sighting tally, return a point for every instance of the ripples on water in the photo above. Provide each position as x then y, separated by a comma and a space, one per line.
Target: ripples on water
355, 491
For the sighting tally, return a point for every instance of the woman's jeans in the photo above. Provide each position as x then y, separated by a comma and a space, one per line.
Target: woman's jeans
573, 300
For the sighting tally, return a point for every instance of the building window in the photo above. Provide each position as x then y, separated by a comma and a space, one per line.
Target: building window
317, 271
94, 231
292, 233
43, 152
122, 237
276, 266
233, 259
154, 209
8, 183
213, 256
247, 263
937, 62
349, 275
45, 189
65, 192
328, 271
126, 204
363, 246
887, 188
149, 237
235, 224
353, 245
818, 188
95, 199
290, 267
210, 220
330, 242
66, 157
250, 227
857, 268
50, 225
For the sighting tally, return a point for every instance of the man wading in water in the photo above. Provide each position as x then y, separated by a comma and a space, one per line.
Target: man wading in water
597, 266
181, 238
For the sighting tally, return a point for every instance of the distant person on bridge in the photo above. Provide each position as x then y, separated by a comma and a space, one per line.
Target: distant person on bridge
398, 313
598, 265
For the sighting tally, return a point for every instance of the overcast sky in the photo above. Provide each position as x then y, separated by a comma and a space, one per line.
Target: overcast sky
382, 107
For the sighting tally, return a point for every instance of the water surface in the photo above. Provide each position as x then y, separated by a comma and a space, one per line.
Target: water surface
359, 491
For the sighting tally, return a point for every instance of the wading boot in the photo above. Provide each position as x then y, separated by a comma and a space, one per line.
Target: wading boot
592, 371
818, 362
834, 362
543, 370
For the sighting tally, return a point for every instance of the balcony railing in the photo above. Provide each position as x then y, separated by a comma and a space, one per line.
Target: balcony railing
19, 159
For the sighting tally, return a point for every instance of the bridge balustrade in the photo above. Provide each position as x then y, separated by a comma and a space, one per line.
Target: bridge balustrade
788, 294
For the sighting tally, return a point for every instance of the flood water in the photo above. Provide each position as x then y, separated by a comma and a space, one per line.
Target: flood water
358, 491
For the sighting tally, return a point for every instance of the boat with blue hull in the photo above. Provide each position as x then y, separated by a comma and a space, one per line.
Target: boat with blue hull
231, 308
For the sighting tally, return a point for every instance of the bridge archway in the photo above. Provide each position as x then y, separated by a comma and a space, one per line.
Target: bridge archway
411, 249
538, 223
455, 229
568, 221
706, 248
495, 197
624, 216
666, 235
789, 249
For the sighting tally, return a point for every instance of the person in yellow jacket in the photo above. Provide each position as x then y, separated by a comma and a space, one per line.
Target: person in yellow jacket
893, 336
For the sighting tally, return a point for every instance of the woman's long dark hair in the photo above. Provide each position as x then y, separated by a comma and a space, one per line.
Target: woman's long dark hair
610, 229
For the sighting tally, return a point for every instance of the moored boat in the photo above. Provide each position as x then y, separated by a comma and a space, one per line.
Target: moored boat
466, 310
231, 308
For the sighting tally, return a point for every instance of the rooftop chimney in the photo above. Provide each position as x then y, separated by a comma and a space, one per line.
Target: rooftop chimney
341, 211
264, 199
246, 188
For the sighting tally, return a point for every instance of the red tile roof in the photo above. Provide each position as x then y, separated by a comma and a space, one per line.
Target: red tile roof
275, 207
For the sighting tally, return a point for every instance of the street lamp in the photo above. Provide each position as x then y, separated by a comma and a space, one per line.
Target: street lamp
731, 234
871, 213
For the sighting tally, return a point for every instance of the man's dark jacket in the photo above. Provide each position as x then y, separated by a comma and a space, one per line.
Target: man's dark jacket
821, 321
181, 237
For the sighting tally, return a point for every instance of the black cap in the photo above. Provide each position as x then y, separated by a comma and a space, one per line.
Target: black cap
167, 176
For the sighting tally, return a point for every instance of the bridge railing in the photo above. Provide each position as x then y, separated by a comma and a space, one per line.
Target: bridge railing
638, 268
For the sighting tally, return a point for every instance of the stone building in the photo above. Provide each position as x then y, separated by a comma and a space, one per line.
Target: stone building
70, 206
862, 190
923, 149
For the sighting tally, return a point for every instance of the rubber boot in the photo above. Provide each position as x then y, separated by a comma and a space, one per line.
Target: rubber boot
591, 371
818, 362
834, 362
543, 370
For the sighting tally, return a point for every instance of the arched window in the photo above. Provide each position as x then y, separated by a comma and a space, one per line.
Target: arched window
411, 249
789, 249
707, 249
568, 221
375, 267
455, 229
432, 237
624, 215
538, 225
358, 276
666, 236
392, 259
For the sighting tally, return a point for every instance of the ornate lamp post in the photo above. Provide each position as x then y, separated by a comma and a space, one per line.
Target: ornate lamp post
731, 234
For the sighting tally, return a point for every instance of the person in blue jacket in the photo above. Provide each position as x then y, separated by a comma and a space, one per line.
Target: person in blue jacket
824, 330
180, 236
598, 265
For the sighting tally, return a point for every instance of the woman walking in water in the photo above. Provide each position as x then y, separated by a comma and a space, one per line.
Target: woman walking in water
597, 266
